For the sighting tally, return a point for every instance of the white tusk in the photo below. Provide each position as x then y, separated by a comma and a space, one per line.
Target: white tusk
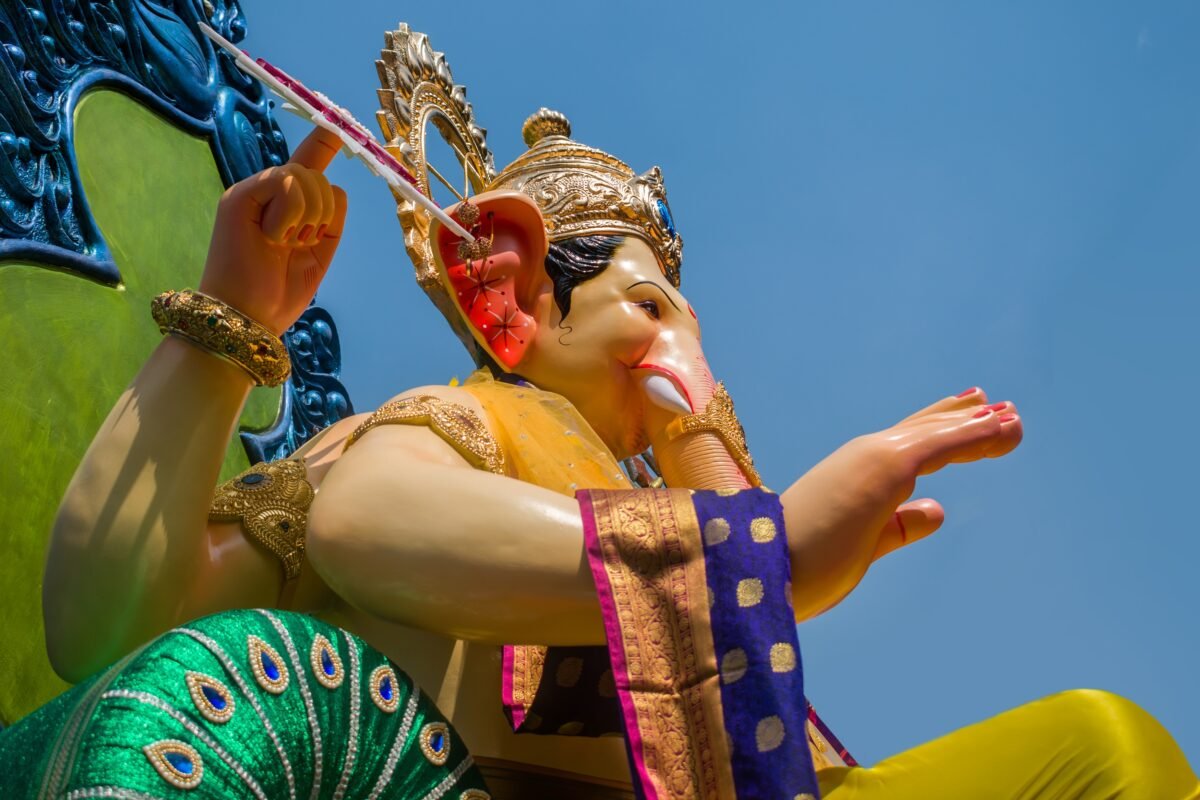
663, 392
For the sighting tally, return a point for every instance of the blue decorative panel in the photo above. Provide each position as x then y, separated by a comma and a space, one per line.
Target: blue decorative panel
51, 53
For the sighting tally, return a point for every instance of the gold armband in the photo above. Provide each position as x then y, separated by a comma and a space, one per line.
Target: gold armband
458, 426
271, 501
719, 418
223, 331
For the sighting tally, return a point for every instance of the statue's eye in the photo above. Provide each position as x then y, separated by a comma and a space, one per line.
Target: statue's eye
650, 306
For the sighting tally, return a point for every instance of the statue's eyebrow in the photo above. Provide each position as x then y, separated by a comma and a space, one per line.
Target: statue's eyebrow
656, 286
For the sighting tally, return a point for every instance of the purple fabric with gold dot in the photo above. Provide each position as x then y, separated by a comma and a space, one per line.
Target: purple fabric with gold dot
758, 653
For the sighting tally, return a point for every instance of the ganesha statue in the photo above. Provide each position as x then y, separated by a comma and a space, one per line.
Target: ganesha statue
564, 577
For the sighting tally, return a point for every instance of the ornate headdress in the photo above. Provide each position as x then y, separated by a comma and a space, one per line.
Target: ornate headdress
581, 191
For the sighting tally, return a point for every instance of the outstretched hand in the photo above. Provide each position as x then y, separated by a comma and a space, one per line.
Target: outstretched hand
850, 509
275, 236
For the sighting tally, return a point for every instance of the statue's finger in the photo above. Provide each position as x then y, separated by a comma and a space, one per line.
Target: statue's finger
317, 150
912, 521
284, 208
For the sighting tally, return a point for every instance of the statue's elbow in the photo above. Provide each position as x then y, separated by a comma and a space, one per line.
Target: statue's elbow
67, 645
79, 638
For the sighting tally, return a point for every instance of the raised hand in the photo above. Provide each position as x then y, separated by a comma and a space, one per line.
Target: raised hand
847, 511
275, 236
953, 430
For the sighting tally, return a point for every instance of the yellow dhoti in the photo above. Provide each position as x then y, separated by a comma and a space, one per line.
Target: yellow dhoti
1078, 745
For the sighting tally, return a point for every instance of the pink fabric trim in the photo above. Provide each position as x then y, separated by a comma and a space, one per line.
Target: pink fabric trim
516, 711
616, 648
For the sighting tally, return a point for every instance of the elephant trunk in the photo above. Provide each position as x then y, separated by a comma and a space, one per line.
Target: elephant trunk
678, 381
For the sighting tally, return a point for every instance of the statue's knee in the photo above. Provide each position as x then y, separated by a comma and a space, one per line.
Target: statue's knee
1130, 750
1102, 720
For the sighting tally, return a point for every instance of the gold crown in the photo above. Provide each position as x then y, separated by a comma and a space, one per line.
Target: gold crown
583, 191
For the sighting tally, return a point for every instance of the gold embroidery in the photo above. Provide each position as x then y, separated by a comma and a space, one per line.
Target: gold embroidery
749, 592
528, 663
734, 665
458, 426
769, 733
569, 672
271, 502
783, 657
716, 530
820, 749
651, 550
762, 529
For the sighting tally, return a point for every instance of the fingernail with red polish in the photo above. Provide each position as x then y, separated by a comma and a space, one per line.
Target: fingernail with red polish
289, 233
982, 413
968, 392
305, 232
1008, 417
321, 231
998, 406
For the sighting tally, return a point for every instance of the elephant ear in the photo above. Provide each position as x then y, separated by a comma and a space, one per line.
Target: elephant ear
495, 295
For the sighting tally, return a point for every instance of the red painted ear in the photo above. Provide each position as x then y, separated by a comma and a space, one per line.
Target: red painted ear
495, 295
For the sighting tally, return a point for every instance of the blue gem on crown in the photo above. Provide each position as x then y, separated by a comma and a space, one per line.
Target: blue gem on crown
664, 212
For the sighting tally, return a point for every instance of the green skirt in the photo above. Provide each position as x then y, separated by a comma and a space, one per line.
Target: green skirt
256, 704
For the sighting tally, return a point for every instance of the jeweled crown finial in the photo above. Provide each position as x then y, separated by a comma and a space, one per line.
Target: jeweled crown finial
542, 123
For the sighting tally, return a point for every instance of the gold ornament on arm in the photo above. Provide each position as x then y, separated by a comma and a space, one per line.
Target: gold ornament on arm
457, 425
223, 331
271, 501
719, 418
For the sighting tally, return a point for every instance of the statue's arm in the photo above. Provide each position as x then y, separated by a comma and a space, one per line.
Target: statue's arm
403, 528
132, 552
131, 543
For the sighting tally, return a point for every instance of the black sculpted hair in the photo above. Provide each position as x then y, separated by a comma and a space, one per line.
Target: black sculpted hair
573, 261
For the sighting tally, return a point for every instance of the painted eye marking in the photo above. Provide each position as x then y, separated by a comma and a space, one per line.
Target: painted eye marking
650, 307
656, 286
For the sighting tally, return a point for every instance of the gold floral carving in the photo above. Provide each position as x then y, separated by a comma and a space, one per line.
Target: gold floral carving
458, 426
651, 548
417, 88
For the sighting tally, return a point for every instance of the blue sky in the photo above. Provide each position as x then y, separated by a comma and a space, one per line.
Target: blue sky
883, 204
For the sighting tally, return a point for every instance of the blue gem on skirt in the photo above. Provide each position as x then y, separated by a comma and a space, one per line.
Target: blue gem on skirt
266, 665
212, 698
176, 762
383, 689
435, 742
326, 664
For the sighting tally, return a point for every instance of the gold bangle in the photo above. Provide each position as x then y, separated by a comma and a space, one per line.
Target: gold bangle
223, 331
719, 418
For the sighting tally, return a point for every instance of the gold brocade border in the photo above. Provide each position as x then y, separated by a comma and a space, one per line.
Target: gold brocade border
528, 663
650, 543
